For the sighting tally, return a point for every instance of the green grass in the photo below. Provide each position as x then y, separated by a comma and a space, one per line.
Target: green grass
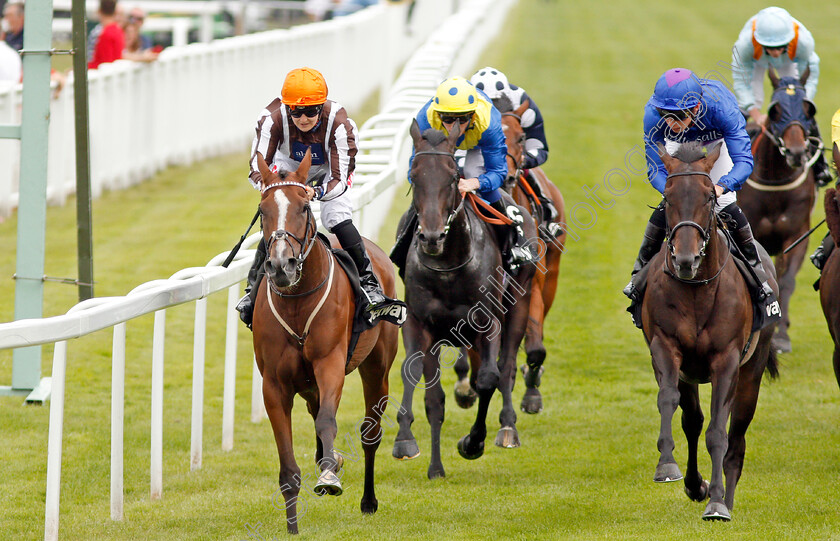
586, 465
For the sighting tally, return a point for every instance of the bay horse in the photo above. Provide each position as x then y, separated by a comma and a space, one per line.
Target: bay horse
458, 296
779, 196
830, 279
550, 247
303, 292
697, 319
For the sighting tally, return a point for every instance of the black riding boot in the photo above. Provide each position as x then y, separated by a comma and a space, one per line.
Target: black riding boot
743, 237
820, 255
351, 241
511, 237
246, 303
405, 232
651, 243
822, 174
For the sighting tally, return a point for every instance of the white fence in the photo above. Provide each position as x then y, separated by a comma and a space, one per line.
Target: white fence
382, 162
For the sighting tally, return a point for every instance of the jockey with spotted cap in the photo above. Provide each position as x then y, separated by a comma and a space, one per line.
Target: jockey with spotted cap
495, 85
302, 119
820, 255
686, 109
457, 104
772, 38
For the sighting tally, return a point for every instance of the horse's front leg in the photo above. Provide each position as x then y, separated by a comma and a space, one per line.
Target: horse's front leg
788, 266
692, 424
435, 402
666, 359
329, 376
535, 351
374, 373
464, 392
416, 342
471, 446
279, 397
724, 378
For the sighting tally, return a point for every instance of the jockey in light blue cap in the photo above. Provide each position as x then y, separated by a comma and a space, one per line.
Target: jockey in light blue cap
684, 109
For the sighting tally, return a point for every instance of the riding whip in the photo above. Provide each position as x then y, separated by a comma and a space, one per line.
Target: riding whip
803, 237
235, 249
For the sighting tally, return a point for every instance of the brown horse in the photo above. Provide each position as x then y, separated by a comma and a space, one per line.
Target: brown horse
696, 317
544, 285
303, 319
830, 280
779, 196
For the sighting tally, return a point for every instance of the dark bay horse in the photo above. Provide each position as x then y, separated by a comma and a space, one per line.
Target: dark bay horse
550, 247
458, 296
830, 280
779, 196
697, 316
303, 318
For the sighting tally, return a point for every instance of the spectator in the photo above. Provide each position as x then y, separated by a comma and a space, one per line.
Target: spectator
108, 39
10, 65
137, 46
318, 10
13, 25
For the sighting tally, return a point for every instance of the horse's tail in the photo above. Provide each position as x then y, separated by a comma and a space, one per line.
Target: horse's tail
772, 366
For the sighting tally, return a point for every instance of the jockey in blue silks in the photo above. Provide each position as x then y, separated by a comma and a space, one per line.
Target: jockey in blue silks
458, 102
686, 109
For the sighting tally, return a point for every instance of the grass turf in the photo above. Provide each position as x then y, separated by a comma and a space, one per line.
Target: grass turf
586, 465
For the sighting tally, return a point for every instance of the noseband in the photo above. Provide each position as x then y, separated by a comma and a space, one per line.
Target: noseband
705, 233
455, 178
282, 235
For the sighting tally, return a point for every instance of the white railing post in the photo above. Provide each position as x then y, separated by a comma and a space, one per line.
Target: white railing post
197, 425
156, 466
59, 371
230, 368
117, 420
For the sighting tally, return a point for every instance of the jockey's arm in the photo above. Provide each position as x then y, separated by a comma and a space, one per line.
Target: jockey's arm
494, 152
536, 146
743, 66
738, 146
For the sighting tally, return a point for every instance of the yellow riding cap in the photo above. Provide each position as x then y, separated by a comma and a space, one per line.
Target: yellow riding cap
835, 128
455, 95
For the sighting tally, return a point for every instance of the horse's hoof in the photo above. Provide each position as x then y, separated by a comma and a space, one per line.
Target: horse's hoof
339, 461
667, 473
463, 450
781, 345
406, 449
507, 438
436, 472
531, 403
717, 511
328, 484
701, 494
291, 527
465, 395
369, 507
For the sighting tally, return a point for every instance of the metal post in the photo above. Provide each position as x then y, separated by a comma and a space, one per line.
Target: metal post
32, 210
84, 222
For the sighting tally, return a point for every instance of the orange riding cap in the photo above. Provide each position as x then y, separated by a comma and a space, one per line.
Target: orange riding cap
758, 49
304, 86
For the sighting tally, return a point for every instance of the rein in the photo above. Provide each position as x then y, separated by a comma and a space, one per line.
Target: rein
706, 233
795, 183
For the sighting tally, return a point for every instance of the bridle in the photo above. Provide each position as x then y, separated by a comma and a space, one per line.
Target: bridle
706, 233
455, 178
306, 243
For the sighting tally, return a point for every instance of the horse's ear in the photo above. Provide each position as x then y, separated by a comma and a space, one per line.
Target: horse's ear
832, 214
805, 76
774, 113
267, 176
414, 131
522, 108
669, 161
774, 77
305, 164
810, 108
454, 134
711, 157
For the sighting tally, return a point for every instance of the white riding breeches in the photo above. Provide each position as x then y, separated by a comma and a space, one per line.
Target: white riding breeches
337, 210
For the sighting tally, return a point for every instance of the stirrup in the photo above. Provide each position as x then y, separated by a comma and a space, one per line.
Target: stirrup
246, 309
554, 229
631, 292
817, 258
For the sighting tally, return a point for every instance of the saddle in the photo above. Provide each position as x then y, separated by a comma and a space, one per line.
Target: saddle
766, 309
394, 312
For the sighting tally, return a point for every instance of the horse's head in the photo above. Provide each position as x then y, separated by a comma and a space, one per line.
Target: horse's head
790, 116
434, 177
287, 222
689, 205
514, 138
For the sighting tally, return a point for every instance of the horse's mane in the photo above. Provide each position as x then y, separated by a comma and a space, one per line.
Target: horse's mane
691, 152
434, 137
503, 104
832, 213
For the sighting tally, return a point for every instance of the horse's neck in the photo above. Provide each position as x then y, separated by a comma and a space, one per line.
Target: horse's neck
459, 240
769, 162
715, 256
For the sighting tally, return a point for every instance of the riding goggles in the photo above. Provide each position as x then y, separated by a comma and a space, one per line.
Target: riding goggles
463, 118
783, 49
311, 111
676, 115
